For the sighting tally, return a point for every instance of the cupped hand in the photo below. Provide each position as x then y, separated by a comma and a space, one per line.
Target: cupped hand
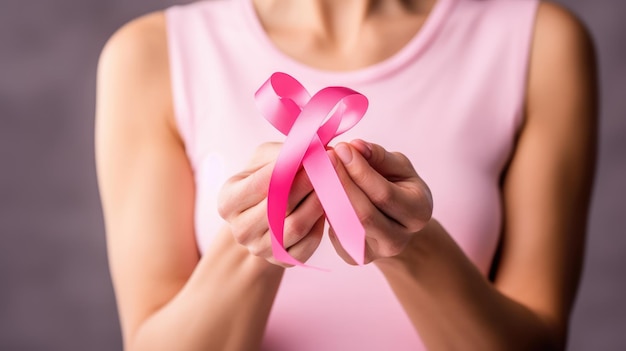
243, 204
391, 200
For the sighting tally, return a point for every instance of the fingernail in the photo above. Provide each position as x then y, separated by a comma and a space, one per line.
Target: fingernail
364, 148
344, 153
369, 149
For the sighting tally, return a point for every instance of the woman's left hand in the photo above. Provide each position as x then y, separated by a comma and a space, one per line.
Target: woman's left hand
391, 200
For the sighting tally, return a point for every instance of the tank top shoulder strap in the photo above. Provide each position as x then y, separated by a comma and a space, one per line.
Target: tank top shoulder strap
497, 40
192, 31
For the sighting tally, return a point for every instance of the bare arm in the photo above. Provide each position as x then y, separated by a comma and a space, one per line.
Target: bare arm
546, 195
168, 297
546, 198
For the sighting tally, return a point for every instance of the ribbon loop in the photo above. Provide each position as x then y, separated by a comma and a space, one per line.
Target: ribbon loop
309, 124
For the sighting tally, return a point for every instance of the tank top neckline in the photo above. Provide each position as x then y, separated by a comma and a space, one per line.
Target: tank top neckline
385, 68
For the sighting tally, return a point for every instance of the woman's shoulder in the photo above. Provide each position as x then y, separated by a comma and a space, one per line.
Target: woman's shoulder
133, 69
562, 55
148, 34
557, 28
139, 46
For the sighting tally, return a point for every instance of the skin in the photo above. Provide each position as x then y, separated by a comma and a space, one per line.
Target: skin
170, 297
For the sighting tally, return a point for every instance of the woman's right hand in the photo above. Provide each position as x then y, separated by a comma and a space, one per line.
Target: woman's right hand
243, 204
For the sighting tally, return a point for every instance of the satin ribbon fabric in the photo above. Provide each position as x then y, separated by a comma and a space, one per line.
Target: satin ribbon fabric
309, 124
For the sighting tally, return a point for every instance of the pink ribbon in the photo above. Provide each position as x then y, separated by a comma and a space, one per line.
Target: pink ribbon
310, 123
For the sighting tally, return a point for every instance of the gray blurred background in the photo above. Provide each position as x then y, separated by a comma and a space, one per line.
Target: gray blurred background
55, 291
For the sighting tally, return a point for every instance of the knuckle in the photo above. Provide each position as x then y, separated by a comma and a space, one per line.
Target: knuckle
391, 249
225, 206
267, 149
278, 263
383, 197
301, 184
383, 246
366, 217
422, 205
254, 182
414, 225
273, 261
240, 234
402, 159
360, 175
257, 249
225, 209
428, 201
295, 228
271, 146
261, 149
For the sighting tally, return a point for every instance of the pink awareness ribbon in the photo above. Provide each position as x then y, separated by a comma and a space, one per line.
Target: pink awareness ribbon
309, 124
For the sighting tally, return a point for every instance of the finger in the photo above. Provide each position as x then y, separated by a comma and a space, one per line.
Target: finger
243, 191
251, 224
397, 168
376, 246
300, 222
384, 235
300, 190
264, 154
246, 190
267, 153
252, 221
402, 202
305, 248
389, 164
297, 226
231, 199
369, 254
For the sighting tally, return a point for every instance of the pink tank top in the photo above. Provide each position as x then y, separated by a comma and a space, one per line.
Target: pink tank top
451, 100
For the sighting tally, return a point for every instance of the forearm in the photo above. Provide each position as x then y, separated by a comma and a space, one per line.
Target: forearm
453, 306
223, 306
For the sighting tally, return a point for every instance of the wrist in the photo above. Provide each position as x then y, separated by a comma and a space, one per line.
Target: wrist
236, 260
263, 268
416, 254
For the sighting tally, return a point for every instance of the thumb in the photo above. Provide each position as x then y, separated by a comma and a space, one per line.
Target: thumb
388, 164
